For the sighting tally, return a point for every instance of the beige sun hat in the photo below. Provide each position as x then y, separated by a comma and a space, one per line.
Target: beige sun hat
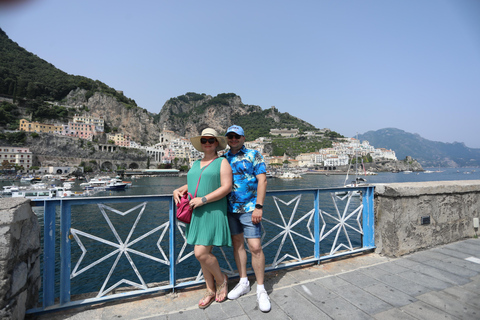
209, 132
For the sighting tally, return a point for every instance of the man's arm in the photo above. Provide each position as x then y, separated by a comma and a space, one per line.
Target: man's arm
261, 192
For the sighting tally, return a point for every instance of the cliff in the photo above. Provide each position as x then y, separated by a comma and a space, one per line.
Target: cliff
135, 122
188, 115
408, 164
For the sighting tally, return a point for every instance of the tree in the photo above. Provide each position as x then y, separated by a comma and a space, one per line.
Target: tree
6, 165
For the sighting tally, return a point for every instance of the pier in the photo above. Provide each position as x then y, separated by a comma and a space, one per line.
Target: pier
406, 250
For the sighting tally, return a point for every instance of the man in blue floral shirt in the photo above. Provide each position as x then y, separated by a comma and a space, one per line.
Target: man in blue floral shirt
245, 210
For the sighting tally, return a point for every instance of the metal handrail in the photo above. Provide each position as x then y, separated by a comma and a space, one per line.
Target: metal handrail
290, 234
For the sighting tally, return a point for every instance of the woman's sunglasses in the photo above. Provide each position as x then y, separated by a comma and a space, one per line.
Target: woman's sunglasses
209, 140
233, 135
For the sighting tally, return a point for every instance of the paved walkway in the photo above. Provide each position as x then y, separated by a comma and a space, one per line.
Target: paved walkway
440, 283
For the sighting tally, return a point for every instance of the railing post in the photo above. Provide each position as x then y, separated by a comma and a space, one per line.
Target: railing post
368, 218
49, 254
172, 242
65, 254
316, 227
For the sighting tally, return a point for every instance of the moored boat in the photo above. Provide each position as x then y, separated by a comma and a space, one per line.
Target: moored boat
52, 193
9, 189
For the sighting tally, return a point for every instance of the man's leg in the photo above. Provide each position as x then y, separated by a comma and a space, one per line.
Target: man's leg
258, 264
258, 259
240, 254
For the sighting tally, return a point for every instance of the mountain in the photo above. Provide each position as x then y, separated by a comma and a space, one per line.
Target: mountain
428, 153
41, 92
188, 114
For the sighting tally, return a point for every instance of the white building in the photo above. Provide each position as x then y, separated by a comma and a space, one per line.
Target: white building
384, 154
335, 161
16, 156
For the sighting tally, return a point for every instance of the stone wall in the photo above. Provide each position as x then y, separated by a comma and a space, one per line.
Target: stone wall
401, 211
19, 258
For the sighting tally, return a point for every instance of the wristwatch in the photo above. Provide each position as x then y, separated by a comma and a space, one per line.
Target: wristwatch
259, 206
204, 200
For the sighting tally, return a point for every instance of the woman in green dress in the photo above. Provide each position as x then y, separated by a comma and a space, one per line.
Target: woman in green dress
209, 224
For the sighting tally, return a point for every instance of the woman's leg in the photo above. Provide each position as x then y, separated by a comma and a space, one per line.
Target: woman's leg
210, 268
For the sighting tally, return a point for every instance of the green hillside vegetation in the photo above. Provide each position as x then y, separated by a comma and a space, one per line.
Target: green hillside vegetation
24, 75
258, 124
295, 146
9, 115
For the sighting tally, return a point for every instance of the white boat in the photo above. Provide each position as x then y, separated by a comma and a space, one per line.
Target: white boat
289, 175
52, 193
358, 182
68, 185
355, 183
26, 179
105, 183
9, 189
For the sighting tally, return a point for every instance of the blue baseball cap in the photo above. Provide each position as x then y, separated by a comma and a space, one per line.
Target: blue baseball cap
236, 129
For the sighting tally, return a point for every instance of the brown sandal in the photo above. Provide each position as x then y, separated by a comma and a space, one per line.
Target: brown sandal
223, 288
202, 304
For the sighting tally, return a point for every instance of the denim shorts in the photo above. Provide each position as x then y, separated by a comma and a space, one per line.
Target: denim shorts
242, 223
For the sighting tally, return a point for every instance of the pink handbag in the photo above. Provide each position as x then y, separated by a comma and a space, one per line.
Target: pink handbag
184, 211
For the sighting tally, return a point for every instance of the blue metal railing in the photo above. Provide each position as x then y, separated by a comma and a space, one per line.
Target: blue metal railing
299, 227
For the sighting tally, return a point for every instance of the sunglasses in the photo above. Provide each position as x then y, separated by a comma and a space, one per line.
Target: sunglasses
233, 135
209, 140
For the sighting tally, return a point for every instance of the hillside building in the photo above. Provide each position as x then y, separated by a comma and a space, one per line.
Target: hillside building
99, 122
336, 161
16, 156
284, 132
384, 154
80, 130
119, 139
38, 127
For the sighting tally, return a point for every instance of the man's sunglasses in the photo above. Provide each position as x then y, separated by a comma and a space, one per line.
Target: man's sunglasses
233, 135
209, 140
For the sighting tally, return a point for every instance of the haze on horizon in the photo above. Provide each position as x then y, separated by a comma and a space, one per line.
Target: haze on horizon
351, 66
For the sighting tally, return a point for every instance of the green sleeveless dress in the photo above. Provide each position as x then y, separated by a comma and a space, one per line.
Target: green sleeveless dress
209, 225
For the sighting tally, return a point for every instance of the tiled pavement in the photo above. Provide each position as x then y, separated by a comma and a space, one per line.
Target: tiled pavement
439, 283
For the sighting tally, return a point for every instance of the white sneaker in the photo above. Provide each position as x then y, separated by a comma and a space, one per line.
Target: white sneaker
263, 301
238, 291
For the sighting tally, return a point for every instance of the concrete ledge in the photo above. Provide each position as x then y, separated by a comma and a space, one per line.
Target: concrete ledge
402, 212
407, 189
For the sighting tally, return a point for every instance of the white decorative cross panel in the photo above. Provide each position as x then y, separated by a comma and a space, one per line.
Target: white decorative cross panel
286, 230
120, 248
343, 219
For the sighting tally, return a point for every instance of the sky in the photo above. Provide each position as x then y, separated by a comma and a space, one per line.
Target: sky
351, 66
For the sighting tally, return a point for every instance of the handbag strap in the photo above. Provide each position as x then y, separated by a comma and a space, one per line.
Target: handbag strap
201, 175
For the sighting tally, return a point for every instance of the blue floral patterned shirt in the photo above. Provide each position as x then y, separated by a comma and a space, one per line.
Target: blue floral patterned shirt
246, 165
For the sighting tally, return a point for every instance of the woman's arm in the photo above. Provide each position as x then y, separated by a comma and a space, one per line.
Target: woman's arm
178, 193
225, 188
